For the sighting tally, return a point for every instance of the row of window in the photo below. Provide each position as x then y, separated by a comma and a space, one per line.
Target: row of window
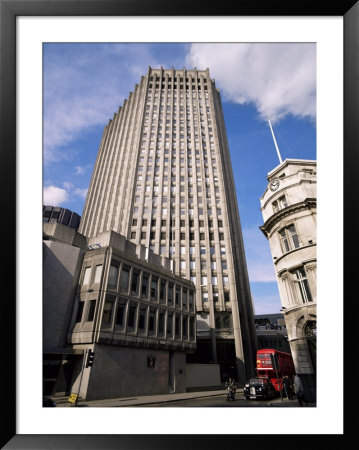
180, 78
144, 222
177, 86
136, 282
190, 212
180, 116
133, 317
172, 235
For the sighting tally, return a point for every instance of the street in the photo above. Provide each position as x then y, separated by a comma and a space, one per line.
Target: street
215, 401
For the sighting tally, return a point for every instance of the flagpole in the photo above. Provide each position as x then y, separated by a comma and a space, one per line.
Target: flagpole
275, 142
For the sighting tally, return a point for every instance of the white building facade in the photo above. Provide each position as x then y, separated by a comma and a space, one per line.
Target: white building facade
289, 212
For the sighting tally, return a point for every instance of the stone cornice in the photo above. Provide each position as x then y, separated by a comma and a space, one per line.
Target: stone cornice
306, 204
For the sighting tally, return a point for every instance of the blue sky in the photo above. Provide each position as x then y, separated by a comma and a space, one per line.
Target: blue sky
84, 85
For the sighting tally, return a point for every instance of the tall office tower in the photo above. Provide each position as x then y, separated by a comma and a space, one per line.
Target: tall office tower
163, 178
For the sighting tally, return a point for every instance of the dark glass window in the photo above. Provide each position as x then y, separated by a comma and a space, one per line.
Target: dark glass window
142, 318
131, 315
163, 292
145, 281
79, 312
170, 325
152, 321
91, 311
135, 280
120, 312
170, 294
124, 278
154, 283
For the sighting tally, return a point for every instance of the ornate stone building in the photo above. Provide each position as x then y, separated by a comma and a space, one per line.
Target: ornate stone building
289, 212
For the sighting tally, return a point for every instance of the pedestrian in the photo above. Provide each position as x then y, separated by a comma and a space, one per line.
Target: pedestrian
287, 387
299, 391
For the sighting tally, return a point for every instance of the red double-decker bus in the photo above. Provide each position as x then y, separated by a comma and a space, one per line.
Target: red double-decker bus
273, 365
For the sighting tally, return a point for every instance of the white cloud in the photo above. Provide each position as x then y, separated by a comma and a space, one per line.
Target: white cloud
81, 192
279, 79
54, 196
258, 256
84, 85
79, 170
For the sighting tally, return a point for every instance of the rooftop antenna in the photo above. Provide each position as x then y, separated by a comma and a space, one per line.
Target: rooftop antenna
275, 142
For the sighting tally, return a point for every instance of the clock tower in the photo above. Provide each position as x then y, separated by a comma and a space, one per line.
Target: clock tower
288, 207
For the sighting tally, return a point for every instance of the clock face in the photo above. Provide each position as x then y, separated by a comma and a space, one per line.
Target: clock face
274, 185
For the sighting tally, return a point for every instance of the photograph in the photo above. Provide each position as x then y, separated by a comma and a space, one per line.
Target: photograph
179, 224
161, 178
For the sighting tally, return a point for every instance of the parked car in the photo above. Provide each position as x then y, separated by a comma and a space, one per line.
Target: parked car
47, 401
260, 388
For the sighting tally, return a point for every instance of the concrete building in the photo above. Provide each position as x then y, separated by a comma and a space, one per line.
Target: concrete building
121, 301
163, 179
51, 214
289, 212
63, 252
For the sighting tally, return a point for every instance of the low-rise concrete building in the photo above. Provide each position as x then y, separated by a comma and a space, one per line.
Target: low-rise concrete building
289, 211
120, 301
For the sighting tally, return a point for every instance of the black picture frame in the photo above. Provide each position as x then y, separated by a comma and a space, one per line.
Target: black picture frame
9, 10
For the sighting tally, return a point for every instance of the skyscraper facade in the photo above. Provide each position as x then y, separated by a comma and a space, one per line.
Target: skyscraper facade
163, 179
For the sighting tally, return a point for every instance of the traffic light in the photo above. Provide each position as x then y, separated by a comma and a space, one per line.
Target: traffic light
90, 358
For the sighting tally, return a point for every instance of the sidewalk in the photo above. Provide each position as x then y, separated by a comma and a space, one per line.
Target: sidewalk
148, 399
165, 398
292, 403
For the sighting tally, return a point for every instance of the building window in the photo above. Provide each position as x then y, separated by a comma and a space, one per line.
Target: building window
222, 321
279, 204
135, 282
184, 298
301, 285
289, 238
131, 315
178, 326
124, 278
145, 281
112, 277
178, 296
161, 324
98, 272
142, 319
185, 328
107, 312
120, 315
170, 325
170, 294
154, 282
79, 312
163, 292
91, 310
87, 276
